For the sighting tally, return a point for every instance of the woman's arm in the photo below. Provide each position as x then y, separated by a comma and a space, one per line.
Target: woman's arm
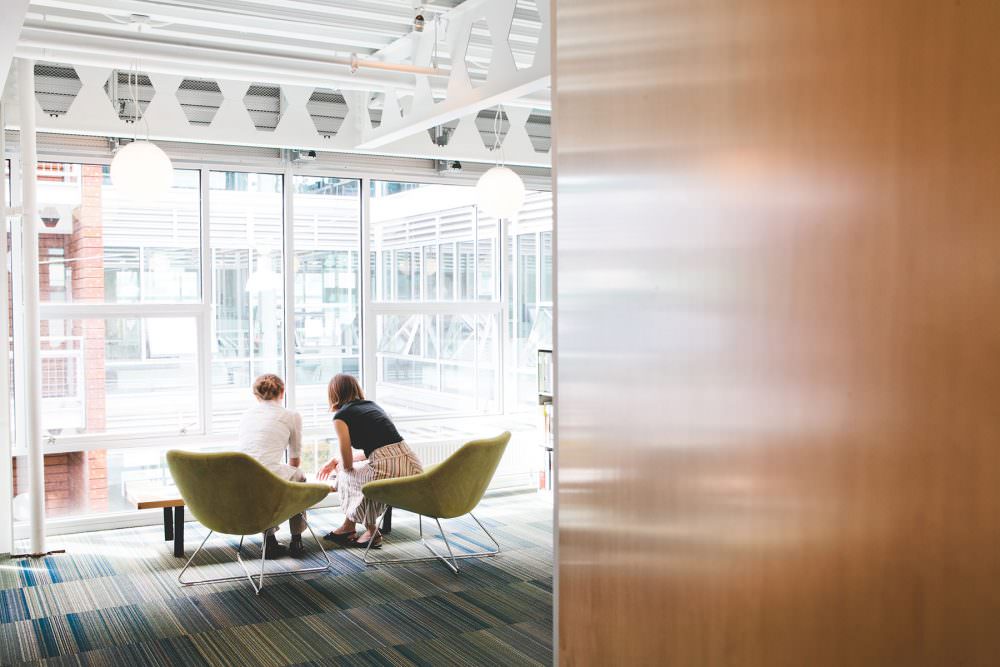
295, 442
344, 438
344, 441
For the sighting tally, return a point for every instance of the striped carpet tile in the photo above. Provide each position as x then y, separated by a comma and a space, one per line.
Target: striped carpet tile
113, 599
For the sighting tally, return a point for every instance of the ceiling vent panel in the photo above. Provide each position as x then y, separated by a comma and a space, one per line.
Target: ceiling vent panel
130, 93
56, 86
265, 103
524, 41
539, 127
328, 109
479, 52
200, 100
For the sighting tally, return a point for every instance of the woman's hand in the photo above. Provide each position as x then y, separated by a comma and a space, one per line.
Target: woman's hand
325, 471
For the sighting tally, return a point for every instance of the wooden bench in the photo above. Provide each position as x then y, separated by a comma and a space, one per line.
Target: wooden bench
153, 495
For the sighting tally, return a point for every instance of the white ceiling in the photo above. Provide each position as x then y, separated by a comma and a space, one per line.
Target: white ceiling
316, 29
305, 44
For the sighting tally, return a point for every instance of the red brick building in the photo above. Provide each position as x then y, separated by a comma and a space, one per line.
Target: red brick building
75, 482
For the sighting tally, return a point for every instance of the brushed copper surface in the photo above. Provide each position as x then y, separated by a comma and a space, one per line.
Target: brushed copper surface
778, 332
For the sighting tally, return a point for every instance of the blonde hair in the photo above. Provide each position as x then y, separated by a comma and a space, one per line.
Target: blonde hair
343, 388
268, 387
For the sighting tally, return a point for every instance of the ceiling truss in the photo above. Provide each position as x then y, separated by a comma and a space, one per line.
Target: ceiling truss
197, 56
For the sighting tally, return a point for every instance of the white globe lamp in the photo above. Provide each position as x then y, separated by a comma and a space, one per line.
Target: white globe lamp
500, 192
142, 172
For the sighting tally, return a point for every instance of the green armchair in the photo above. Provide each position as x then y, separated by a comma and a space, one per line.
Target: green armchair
450, 489
215, 488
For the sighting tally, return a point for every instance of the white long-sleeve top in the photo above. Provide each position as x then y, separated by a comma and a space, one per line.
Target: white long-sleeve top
266, 431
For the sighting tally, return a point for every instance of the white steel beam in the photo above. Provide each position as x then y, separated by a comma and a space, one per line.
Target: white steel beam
505, 82
10, 27
120, 51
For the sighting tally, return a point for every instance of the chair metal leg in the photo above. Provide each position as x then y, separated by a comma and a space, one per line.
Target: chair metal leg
452, 564
259, 585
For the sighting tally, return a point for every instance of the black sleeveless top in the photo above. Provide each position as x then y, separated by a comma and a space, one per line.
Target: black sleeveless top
369, 426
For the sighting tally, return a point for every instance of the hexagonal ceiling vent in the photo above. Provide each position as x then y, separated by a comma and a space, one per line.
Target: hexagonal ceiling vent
200, 100
479, 52
56, 86
441, 134
327, 108
130, 93
265, 103
492, 128
524, 40
539, 127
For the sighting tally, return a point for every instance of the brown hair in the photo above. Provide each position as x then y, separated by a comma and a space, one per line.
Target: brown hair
343, 389
268, 387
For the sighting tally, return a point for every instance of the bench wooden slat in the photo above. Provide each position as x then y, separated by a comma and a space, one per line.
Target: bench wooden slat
152, 495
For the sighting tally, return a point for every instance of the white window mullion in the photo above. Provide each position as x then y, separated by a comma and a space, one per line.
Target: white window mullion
435, 308
288, 284
98, 311
506, 329
368, 344
206, 321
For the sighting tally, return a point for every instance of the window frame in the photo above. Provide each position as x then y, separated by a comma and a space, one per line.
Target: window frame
456, 305
370, 304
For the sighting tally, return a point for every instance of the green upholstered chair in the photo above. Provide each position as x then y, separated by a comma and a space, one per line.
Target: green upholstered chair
232, 493
450, 489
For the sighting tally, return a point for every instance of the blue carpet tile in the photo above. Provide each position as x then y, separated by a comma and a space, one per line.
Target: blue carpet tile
113, 599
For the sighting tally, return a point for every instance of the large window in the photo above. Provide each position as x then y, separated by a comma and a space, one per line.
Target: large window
530, 283
438, 314
105, 371
157, 316
245, 230
327, 287
120, 292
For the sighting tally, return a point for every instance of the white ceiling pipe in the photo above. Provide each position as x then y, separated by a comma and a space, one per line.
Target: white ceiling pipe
356, 63
131, 48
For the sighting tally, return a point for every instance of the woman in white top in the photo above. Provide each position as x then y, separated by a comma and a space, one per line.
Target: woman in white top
266, 431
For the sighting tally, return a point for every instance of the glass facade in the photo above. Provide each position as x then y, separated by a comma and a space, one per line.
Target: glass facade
157, 318
246, 220
438, 351
327, 289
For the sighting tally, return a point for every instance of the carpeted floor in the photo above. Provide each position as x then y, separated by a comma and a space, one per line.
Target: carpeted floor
113, 599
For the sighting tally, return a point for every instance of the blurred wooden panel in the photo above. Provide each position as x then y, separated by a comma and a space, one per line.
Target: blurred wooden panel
779, 332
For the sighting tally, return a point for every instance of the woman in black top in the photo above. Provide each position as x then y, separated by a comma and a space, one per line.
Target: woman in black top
361, 424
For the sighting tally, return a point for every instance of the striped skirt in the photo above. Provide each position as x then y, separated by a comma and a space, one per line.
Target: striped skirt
396, 460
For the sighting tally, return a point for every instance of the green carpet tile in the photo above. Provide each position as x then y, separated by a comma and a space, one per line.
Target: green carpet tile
113, 599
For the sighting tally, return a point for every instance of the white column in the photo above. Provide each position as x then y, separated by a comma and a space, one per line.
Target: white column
32, 330
6, 483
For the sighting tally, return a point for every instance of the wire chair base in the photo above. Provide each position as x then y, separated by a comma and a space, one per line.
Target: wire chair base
259, 584
451, 560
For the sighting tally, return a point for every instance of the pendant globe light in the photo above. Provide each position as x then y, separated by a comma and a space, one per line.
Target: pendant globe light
141, 170
500, 191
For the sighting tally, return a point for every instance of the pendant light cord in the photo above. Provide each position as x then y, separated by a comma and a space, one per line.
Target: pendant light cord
133, 90
133, 84
497, 142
